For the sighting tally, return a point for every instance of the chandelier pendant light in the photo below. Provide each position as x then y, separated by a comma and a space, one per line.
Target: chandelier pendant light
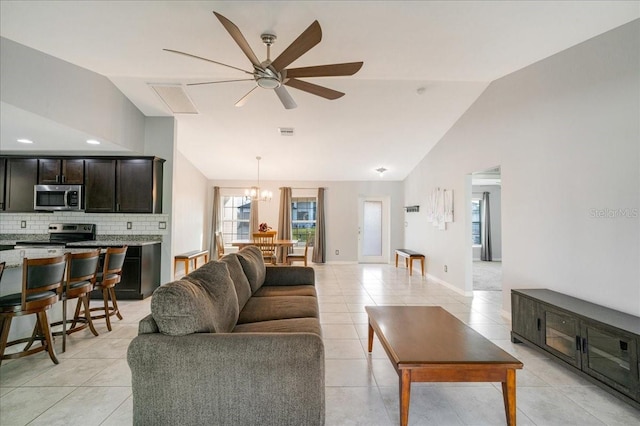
254, 192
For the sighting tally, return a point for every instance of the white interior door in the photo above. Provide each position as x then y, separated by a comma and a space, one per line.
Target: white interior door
373, 235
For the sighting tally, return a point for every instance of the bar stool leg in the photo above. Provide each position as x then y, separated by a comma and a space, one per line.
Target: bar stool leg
105, 297
4, 335
112, 293
46, 331
87, 313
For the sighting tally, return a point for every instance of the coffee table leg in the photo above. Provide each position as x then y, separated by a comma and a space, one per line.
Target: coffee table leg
370, 338
405, 396
509, 396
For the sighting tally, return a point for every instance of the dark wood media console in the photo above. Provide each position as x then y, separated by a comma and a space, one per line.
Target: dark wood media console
599, 343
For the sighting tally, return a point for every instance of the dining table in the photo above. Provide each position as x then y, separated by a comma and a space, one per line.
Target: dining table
277, 243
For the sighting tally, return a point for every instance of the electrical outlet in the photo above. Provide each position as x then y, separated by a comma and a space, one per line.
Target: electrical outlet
446, 269
23, 224
162, 225
129, 225
337, 252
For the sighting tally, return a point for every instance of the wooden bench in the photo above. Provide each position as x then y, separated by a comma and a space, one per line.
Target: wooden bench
409, 257
188, 257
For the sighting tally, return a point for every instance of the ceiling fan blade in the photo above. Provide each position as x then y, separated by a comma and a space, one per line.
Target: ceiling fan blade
235, 33
332, 70
314, 89
244, 99
309, 38
208, 60
215, 82
285, 97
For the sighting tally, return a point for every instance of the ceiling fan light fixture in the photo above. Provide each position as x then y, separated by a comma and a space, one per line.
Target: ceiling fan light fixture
268, 82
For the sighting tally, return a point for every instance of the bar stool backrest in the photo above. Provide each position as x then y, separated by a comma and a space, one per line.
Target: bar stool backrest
83, 267
42, 275
113, 261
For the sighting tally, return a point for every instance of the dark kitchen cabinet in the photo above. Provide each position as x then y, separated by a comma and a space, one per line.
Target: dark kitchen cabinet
600, 343
138, 185
100, 185
3, 170
124, 185
21, 176
65, 171
140, 273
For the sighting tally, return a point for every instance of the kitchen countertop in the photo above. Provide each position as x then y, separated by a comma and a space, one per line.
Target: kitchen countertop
13, 258
111, 243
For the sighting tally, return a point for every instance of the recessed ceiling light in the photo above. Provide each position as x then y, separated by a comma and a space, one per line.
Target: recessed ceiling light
93, 142
25, 141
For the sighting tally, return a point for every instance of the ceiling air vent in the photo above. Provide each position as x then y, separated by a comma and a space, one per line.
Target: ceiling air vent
174, 96
286, 131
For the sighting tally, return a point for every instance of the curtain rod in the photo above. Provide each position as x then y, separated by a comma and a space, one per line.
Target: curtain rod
244, 187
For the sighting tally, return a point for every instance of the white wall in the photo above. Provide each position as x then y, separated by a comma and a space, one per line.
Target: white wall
341, 210
69, 95
565, 132
190, 208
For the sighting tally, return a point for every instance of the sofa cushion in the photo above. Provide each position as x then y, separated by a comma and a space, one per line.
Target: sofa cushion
291, 325
286, 290
278, 307
214, 277
240, 281
250, 258
204, 301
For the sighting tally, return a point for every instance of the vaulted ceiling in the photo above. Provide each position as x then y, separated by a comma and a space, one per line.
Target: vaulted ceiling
425, 63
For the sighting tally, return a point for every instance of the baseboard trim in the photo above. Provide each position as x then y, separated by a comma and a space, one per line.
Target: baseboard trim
450, 286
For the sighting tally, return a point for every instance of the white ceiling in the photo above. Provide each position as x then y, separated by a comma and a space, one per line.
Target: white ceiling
451, 49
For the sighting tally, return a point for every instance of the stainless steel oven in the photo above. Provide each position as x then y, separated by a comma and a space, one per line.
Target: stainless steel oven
58, 197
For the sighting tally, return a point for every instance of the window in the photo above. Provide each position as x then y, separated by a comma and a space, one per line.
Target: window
235, 218
475, 222
303, 219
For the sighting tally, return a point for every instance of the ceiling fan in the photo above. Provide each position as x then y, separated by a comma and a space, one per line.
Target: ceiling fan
275, 74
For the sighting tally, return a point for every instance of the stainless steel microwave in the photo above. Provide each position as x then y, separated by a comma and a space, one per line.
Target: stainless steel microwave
57, 197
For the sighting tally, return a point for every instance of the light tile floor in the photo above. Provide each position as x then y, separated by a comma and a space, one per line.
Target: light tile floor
92, 383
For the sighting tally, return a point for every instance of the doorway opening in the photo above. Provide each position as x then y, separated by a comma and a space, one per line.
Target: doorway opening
486, 229
373, 230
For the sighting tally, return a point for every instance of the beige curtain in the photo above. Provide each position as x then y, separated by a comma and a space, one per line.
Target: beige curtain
319, 246
216, 222
284, 221
254, 222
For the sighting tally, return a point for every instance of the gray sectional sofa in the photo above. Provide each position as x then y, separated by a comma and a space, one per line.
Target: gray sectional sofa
232, 343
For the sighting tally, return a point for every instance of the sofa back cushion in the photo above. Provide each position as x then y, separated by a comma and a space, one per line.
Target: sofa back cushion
240, 281
252, 262
204, 301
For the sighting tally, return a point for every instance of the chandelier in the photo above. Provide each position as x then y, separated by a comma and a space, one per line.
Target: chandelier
254, 192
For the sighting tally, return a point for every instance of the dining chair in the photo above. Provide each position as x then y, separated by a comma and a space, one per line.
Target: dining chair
41, 288
299, 257
266, 243
106, 282
82, 269
219, 244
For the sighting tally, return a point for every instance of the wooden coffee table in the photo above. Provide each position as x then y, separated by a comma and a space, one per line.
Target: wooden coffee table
428, 344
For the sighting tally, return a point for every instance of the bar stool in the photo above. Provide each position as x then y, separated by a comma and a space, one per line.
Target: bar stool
41, 288
107, 280
80, 281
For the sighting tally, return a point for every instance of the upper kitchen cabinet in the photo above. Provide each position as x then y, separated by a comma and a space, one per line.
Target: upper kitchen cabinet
139, 185
68, 171
100, 185
3, 169
123, 185
20, 176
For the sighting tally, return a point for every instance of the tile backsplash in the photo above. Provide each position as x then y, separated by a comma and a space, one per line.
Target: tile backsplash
106, 224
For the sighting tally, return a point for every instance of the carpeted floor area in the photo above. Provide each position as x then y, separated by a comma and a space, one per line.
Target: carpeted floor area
487, 275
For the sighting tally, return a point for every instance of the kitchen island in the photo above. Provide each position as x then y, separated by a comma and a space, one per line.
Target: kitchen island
141, 269
22, 326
